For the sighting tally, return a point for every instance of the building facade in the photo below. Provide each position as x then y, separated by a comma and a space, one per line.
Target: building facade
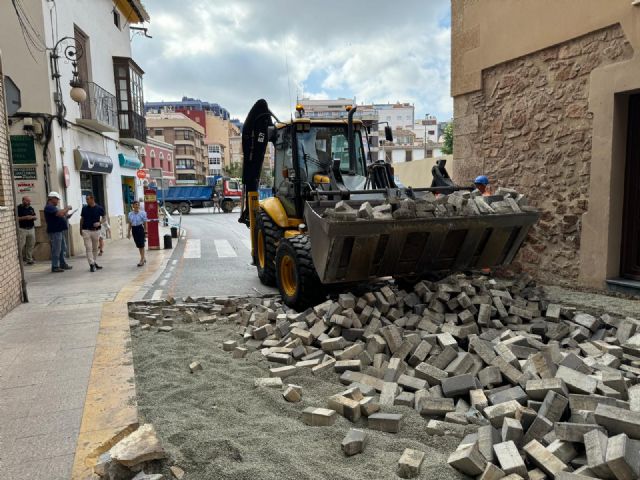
555, 113
187, 138
158, 157
216, 156
10, 271
397, 115
58, 143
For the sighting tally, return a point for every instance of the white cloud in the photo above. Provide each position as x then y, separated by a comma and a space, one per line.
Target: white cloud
235, 52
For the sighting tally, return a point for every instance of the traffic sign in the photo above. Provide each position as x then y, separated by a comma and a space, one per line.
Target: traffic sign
141, 174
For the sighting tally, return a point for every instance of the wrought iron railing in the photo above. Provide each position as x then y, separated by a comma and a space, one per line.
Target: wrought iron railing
100, 105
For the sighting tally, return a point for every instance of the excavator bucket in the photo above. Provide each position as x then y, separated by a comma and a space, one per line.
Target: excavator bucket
360, 250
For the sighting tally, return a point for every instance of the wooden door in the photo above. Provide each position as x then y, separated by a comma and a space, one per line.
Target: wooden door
630, 254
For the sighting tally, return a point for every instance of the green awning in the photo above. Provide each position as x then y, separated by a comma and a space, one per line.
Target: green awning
129, 162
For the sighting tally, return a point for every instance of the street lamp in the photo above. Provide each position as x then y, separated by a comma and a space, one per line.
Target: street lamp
72, 52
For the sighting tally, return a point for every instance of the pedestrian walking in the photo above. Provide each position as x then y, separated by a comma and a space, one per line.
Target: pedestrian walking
216, 202
91, 219
105, 232
27, 233
57, 227
138, 227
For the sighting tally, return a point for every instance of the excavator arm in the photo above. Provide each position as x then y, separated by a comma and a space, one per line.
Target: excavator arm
255, 135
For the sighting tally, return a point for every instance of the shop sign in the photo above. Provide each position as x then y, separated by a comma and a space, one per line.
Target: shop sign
150, 195
92, 162
24, 173
25, 187
23, 150
129, 162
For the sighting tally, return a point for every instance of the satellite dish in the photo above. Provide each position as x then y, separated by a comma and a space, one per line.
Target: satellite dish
12, 92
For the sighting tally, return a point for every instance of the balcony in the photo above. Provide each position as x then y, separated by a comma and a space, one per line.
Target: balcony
99, 111
133, 128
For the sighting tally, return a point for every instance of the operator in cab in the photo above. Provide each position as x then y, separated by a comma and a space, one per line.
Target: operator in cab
482, 185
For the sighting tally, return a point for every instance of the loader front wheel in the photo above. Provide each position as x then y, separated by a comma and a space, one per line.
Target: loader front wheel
266, 240
296, 276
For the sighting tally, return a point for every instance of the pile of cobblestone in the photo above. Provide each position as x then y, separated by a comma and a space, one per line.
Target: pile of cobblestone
534, 389
428, 205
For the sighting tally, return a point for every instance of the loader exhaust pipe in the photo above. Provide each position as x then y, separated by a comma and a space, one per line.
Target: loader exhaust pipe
351, 140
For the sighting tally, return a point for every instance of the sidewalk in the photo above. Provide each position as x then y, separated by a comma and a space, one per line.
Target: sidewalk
47, 349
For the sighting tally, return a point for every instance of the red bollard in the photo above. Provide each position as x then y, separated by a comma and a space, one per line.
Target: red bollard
151, 207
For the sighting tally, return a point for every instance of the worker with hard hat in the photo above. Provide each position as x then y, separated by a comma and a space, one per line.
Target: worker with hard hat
482, 185
56, 228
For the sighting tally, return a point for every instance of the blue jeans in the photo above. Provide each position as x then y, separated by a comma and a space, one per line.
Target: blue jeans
58, 249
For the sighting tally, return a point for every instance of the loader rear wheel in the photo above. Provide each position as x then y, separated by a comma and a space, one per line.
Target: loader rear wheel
267, 236
296, 275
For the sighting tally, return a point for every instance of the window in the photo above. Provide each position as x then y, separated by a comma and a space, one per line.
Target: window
214, 161
214, 148
130, 101
158, 132
184, 164
408, 155
429, 153
116, 18
431, 132
161, 156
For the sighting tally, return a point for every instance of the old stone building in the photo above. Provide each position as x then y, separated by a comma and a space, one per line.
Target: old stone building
10, 275
551, 109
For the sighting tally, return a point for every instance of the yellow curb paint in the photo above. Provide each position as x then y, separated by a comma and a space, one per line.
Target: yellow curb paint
110, 409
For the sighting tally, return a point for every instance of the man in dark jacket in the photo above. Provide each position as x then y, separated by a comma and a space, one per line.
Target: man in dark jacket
27, 234
56, 228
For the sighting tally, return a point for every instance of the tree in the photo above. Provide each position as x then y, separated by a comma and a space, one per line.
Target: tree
234, 170
266, 177
447, 149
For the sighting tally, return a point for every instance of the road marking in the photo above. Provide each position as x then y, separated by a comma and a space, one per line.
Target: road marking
163, 282
247, 243
224, 249
156, 294
192, 248
184, 233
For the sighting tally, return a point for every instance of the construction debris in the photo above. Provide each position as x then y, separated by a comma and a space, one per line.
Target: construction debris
428, 205
533, 389
134, 453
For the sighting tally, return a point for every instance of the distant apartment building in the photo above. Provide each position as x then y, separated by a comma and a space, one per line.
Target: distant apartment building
187, 138
426, 128
158, 155
397, 115
215, 155
212, 117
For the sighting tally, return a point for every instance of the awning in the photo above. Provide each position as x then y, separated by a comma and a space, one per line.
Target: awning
92, 162
129, 162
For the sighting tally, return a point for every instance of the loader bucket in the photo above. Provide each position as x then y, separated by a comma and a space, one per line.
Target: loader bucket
353, 251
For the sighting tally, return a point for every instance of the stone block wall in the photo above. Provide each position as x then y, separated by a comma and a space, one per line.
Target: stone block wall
10, 276
530, 128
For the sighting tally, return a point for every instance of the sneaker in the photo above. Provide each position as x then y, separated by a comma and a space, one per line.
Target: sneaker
57, 270
66, 267
98, 267
30, 262
92, 268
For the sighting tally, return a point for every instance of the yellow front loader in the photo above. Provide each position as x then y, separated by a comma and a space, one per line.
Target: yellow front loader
320, 162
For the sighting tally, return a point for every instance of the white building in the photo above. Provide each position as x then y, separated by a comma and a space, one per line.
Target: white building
397, 115
215, 154
57, 143
426, 128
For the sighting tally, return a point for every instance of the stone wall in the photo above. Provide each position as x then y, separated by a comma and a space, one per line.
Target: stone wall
530, 128
10, 276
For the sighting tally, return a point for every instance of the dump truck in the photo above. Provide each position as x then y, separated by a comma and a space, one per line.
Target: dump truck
185, 197
337, 217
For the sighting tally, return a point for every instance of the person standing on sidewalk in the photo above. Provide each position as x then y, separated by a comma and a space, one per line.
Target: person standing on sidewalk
91, 219
27, 234
138, 226
56, 228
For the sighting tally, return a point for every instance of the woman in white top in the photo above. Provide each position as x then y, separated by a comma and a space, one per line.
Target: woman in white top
138, 227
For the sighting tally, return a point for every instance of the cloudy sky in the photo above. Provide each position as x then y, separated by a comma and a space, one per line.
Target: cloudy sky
234, 52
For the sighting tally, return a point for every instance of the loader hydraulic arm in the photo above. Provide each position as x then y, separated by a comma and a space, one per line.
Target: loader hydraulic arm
254, 144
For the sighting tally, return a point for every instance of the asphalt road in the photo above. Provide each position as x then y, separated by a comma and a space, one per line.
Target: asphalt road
212, 258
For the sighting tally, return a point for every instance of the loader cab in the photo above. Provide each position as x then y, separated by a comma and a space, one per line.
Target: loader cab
305, 154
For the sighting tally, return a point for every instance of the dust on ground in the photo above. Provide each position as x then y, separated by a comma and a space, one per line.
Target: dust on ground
216, 425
